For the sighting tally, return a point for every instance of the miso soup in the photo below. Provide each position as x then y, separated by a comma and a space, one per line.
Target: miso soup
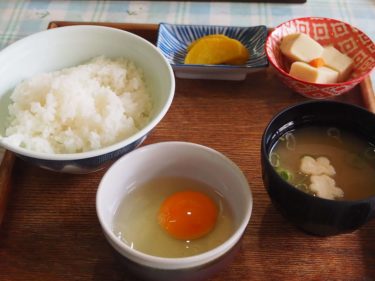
136, 220
317, 158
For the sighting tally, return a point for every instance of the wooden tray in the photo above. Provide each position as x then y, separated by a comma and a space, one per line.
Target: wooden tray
51, 232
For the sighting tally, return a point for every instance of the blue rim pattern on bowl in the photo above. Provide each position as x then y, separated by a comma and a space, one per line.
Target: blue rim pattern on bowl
85, 165
173, 40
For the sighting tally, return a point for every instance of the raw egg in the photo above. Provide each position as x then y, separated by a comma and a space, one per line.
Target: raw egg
188, 215
160, 217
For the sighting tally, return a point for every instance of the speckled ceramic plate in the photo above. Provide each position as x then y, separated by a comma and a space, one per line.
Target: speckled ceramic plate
173, 40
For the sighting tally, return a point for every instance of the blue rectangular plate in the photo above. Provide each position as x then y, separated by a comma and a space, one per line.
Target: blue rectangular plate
173, 40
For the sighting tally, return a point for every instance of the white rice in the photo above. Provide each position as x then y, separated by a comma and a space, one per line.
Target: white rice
80, 108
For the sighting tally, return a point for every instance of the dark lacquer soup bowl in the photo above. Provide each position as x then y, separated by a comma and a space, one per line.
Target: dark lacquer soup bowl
311, 213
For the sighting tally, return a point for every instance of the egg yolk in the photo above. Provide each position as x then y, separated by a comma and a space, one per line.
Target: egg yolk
188, 215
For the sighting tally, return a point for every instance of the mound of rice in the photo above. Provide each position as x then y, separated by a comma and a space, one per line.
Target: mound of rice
81, 108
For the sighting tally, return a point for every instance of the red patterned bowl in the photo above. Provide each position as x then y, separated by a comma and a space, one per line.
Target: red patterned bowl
344, 37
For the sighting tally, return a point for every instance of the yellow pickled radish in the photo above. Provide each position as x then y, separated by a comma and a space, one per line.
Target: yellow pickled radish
242, 58
205, 37
216, 49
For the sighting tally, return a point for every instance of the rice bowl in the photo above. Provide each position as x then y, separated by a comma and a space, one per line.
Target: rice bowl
65, 47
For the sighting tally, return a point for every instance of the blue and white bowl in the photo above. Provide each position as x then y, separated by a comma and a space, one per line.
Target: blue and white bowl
173, 40
68, 46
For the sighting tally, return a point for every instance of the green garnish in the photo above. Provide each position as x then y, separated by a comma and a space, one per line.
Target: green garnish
285, 174
274, 159
334, 133
290, 141
303, 187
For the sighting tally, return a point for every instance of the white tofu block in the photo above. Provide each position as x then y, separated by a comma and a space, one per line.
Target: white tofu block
300, 47
308, 73
327, 75
338, 61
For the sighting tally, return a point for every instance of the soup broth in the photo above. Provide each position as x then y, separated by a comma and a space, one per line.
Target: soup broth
352, 158
136, 220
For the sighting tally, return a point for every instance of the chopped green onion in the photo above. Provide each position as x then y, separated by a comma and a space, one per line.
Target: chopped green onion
274, 159
304, 179
285, 174
334, 133
290, 141
303, 187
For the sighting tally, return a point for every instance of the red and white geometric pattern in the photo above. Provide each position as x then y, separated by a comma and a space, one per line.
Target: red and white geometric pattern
346, 38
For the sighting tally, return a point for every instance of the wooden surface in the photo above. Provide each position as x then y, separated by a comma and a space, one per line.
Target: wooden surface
368, 94
51, 232
6, 167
